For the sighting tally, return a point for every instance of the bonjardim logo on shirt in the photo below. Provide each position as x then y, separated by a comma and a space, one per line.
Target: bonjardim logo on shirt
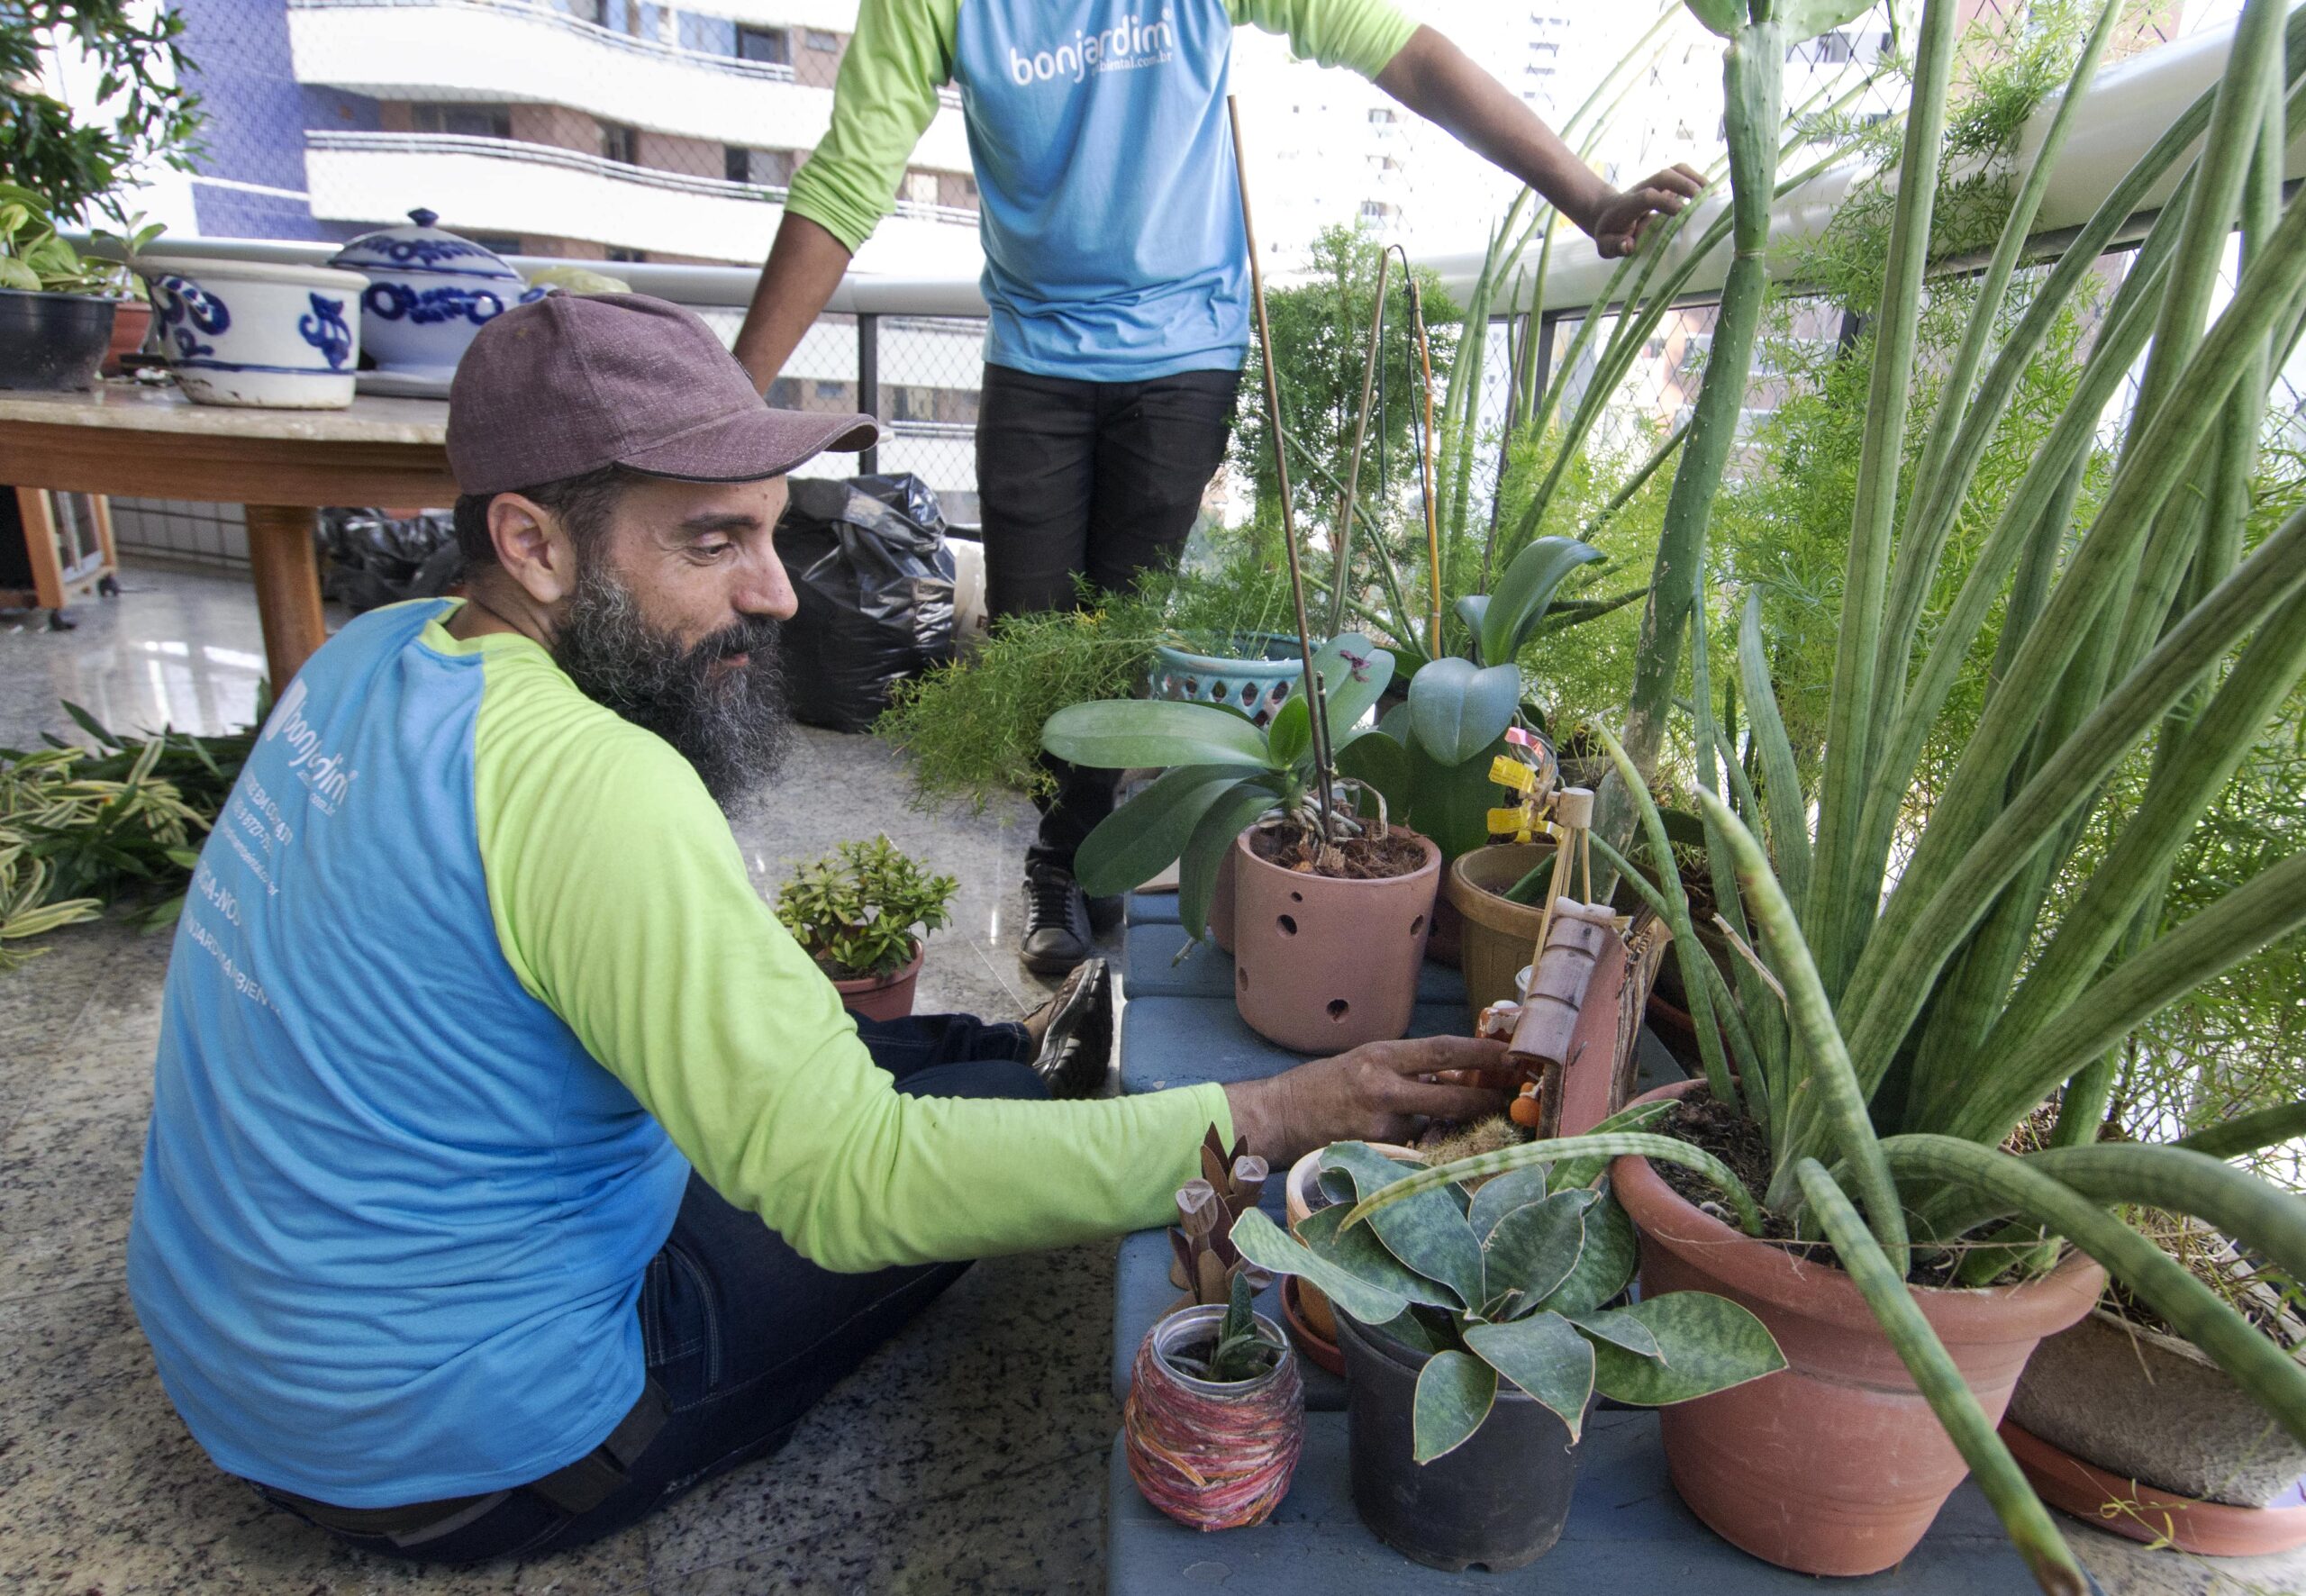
322, 772
1129, 44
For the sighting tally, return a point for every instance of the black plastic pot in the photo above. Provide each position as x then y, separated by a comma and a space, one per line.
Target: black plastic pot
1499, 1500
52, 342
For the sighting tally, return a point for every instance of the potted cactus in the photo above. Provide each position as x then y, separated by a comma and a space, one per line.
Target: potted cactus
861, 913
1477, 1324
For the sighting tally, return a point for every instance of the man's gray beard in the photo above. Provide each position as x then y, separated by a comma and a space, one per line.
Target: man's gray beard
731, 724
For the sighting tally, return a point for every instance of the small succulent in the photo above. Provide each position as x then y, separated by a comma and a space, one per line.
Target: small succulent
1205, 1265
1241, 1350
1510, 1280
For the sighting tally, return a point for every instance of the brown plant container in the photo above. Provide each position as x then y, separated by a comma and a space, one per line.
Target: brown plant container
882, 997
1834, 1465
1500, 937
1323, 964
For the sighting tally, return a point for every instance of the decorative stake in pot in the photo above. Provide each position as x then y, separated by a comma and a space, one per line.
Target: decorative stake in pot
1324, 767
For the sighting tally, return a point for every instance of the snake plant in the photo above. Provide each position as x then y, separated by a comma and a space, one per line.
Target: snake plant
1507, 1281
1922, 995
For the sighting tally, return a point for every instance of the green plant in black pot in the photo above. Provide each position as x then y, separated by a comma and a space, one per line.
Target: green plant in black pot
1477, 1328
56, 304
857, 910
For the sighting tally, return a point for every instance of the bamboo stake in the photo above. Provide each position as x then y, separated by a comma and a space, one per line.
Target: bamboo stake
1324, 773
1346, 503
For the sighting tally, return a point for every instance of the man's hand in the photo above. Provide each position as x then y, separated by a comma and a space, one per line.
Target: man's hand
1376, 1092
1618, 225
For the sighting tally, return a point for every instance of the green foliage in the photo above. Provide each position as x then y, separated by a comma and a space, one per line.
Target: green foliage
138, 52
34, 260
1505, 1280
972, 728
1221, 771
1241, 1351
1321, 338
82, 828
855, 911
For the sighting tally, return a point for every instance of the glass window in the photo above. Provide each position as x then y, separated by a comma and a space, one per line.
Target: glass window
629, 256
772, 45
468, 121
708, 35
785, 394
821, 39
620, 143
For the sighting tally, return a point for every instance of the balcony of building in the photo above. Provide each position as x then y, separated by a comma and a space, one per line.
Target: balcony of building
711, 77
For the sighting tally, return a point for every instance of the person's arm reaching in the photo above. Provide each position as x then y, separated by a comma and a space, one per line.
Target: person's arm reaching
621, 903
1439, 82
883, 100
1433, 78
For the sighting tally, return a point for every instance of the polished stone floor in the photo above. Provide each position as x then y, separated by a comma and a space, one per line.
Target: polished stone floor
967, 1455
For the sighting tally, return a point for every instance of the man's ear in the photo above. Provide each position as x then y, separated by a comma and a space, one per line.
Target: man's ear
533, 548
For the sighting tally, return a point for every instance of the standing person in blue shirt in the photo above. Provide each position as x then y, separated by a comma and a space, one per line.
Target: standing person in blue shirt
1116, 272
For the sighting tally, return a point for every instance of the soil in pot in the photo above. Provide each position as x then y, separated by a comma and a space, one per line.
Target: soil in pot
1323, 963
1834, 1465
880, 997
1498, 1501
52, 342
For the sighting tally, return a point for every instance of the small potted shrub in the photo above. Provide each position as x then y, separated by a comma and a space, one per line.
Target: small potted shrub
1215, 1418
856, 912
1475, 1319
56, 307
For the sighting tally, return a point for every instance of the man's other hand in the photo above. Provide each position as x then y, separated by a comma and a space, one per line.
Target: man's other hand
1379, 1092
1618, 226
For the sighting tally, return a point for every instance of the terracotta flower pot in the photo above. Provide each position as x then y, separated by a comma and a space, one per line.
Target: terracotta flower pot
2142, 1512
1221, 903
882, 997
1210, 1455
130, 323
1834, 1465
1500, 936
1321, 965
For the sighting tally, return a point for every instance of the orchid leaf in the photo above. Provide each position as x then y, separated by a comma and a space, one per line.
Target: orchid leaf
1456, 708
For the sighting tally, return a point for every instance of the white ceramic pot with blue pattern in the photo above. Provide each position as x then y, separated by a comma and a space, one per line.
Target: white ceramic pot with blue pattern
429, 292
250, 332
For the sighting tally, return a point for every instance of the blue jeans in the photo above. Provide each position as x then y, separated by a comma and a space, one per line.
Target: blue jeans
741, 1334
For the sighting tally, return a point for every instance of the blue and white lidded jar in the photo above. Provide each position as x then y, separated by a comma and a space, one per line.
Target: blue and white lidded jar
429, 292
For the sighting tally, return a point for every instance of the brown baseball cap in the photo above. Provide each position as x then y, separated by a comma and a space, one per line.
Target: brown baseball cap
576, 381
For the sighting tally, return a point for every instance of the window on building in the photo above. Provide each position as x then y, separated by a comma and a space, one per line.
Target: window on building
620, 143
1381, 113
826, 390
583, 11
914, 404
629, 256
771, 45
921, 187
764, 168
1375, 211
468, 121
785, 394
707, 35
819, 40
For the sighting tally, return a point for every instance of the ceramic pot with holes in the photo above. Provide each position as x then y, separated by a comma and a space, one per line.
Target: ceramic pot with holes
1321, 964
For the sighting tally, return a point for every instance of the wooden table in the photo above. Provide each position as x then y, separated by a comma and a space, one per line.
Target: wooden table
281, 464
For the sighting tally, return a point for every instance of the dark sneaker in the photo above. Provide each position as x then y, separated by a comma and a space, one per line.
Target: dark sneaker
1057, 921
1077, 1043
1104, 915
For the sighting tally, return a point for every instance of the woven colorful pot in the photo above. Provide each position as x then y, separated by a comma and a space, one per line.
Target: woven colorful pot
1213, 1457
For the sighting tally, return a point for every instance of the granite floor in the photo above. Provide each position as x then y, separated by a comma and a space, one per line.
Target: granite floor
967, 1455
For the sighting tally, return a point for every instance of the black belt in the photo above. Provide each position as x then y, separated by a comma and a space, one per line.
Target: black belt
578, 1488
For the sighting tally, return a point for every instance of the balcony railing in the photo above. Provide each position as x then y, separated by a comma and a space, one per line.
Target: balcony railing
552, 16
545, 155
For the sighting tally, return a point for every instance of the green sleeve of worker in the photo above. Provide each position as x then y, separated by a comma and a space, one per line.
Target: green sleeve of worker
882, 101
623, 904
1362, 34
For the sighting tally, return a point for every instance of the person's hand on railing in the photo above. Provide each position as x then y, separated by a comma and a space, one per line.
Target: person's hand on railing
1618, 226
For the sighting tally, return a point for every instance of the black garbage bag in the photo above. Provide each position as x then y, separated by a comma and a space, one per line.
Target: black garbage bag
875, 579
375, 558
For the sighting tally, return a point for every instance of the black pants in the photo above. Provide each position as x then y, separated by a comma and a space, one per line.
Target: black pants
741, 1333
1100, 480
